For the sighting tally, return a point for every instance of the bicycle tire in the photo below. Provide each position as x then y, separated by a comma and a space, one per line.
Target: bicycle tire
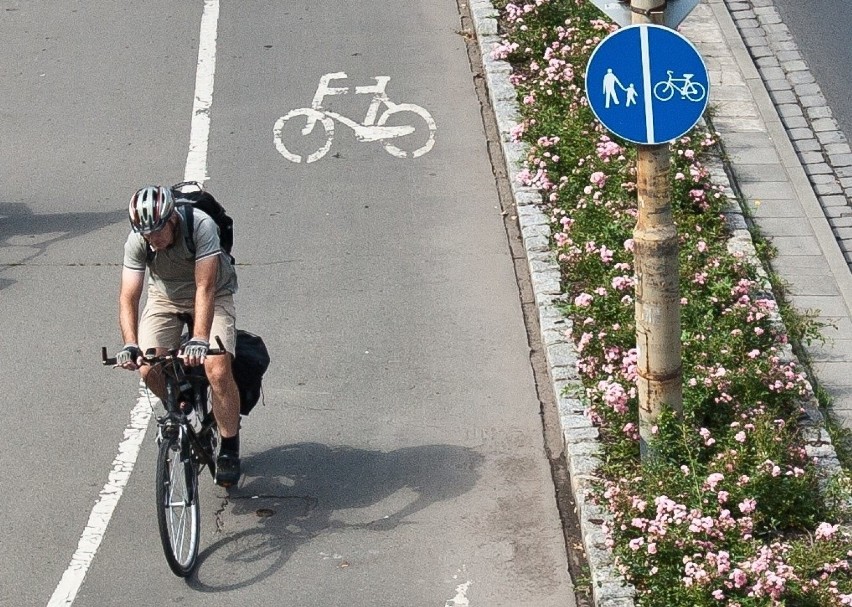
178, 510
696, 92
309, 114
394, 108
664, 90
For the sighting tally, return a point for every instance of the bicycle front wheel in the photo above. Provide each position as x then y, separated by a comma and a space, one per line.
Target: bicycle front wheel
664, 90
305, 119
416, 144
178, 511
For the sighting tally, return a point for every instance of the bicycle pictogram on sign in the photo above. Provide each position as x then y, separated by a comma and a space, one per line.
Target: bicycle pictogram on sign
692, 91
385, 127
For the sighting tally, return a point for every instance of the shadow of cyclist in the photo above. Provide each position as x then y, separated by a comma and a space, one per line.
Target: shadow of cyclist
32, 234
293, 493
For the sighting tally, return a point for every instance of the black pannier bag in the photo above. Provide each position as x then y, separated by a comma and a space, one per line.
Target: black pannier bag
250, 363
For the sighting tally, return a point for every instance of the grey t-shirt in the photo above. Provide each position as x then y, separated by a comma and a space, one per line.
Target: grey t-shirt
172, 272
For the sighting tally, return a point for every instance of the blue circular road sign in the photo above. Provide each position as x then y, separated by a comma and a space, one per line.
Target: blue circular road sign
647, 84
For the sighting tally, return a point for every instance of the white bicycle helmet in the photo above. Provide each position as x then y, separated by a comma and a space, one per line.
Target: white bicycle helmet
150, 209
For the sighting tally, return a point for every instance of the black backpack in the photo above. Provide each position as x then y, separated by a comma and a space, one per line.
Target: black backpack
191, 195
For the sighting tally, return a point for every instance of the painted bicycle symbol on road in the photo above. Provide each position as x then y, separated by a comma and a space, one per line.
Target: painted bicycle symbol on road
693, 91
392, 127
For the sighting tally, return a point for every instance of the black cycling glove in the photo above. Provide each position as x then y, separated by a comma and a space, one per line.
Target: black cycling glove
130, 353
196, 348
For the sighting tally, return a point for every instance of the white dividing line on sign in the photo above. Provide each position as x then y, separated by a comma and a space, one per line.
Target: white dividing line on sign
645, 49
140, 416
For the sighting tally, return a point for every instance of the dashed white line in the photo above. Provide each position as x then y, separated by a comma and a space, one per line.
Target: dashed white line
128, 449
101, 514
460, 600
196, 160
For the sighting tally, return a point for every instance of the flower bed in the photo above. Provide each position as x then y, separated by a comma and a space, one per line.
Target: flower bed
730, 512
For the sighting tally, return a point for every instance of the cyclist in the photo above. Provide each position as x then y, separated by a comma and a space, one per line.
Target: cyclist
201, 284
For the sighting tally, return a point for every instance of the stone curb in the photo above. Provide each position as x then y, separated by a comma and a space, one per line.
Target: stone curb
580, 437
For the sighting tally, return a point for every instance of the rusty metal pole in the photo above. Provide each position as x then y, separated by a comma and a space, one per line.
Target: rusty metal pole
658, 285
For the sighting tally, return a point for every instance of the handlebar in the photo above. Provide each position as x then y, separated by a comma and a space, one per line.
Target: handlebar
154, 359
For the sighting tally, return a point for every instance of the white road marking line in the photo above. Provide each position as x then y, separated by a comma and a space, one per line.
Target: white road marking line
196, 160
460, 600
371, 128
128, 449
101, 514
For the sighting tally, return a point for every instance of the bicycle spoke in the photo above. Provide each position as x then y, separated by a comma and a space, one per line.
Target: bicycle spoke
178, 508
181, 527
178, 519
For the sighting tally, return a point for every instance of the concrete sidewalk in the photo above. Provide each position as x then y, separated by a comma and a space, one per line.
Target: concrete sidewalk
792, 192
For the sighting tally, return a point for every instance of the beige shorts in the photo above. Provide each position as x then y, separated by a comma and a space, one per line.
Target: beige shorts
159, 326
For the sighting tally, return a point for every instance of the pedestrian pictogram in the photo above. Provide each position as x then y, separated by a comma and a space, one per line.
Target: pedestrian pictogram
610, 82
647, 84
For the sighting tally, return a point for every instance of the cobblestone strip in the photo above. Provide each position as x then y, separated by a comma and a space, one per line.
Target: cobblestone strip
821, 146
581, 438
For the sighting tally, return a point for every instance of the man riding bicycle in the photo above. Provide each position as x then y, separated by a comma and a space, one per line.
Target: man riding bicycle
201, 283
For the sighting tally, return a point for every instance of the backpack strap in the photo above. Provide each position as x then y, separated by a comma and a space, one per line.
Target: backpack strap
188, 228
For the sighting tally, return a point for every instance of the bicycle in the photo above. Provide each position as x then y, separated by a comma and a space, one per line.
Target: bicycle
187, 439
374, 127
693, 91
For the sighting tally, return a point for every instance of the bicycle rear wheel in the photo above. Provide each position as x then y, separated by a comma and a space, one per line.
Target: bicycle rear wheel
178, 511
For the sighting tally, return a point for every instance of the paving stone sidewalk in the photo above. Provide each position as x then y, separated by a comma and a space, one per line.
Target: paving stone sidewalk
786, 157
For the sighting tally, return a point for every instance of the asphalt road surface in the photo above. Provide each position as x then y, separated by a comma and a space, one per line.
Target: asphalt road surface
399, 458
822, 31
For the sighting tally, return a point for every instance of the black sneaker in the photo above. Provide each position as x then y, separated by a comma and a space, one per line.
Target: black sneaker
227, 469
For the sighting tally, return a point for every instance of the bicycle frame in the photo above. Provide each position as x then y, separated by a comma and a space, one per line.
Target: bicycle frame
378, 91
179, 404
365, 130
686, 81
186, 390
